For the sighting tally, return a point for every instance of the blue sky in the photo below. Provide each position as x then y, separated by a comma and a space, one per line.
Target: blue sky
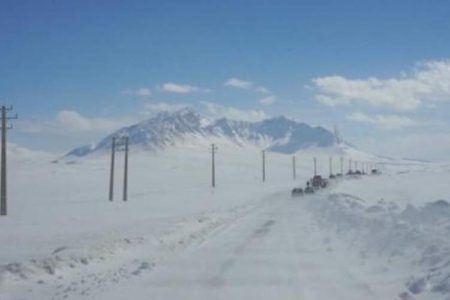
75, 70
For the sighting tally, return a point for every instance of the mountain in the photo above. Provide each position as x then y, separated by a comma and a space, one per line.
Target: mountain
280, 134
167, 129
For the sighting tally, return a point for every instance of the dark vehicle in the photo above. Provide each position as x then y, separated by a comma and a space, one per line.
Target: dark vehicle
375, 172
309, 189
297, 192
315, 182
319, 182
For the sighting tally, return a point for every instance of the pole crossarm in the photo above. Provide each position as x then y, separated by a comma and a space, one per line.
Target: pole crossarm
120, 143
15, 117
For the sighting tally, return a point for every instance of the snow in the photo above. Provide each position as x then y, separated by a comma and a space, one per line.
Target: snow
369, 237
167, 129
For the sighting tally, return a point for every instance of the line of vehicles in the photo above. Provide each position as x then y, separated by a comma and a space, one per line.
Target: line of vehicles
318, 182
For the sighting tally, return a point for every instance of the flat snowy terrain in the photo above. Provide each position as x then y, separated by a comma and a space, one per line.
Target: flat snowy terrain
368, 237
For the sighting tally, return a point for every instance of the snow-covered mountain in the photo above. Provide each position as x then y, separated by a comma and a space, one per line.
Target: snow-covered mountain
277, 134
171, 128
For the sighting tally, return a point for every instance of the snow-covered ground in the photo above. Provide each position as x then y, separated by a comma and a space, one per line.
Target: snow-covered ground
369, 237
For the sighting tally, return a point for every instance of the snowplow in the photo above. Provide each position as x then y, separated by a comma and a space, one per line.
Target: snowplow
319, 182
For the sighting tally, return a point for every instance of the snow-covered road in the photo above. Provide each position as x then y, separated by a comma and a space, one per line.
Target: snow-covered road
275, 252
365, 237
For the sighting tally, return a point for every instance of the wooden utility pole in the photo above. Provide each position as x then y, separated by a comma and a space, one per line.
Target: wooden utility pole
3, 187
125, 174
116, 143
315, 166
213, 165
111, 173
294, 171
263, 165
331, 166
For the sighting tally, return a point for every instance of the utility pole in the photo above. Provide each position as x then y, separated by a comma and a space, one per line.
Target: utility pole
125, 174
342, 166
5, 127
315, 166
116, 142
213, 165
294, 171
111, 173
331, 166
264, 165
349, 165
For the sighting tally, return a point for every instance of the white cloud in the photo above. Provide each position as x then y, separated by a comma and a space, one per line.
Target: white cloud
383, 121
262, 90
217, 111
430, 81
72, 120
421, 145
269, 100
238, 83
141, 92
172, 87
151, 108
244, 84
69, 121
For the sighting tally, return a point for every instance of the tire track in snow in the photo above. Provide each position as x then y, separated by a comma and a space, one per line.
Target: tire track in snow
228, 264
67, 275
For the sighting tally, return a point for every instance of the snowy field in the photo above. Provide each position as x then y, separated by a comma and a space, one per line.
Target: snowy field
369, 237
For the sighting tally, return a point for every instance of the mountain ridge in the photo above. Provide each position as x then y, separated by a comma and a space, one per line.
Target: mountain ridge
166, 129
